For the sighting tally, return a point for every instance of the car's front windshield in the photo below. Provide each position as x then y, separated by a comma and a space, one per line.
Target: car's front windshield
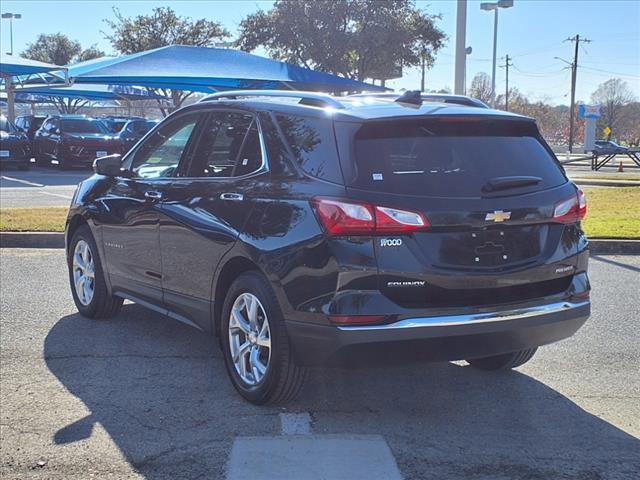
82, 126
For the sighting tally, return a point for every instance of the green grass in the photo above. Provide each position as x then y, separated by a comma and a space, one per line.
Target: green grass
611, 213
46, 219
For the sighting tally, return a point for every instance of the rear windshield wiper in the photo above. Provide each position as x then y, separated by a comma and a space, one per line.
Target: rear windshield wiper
506, 183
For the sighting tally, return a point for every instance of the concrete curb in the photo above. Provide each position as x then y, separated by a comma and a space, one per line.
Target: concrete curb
56, 240
605, 183
31, 240
614, 247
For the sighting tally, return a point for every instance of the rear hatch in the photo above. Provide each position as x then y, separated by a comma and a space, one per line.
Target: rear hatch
487, 187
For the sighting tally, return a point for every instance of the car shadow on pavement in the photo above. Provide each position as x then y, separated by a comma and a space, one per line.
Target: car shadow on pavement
160, 391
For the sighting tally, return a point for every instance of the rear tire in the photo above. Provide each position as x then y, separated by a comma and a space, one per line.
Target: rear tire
282, 379
503, 362
84, 262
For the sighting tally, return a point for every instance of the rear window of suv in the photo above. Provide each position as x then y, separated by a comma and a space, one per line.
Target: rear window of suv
313, 145
449, 157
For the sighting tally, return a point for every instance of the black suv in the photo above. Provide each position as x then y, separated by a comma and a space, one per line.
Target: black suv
73, 140
305, 229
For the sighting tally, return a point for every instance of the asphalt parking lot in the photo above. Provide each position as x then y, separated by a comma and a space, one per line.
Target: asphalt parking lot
39, 187
142, 396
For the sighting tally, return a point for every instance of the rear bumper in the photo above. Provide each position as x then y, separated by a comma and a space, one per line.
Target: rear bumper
454, 337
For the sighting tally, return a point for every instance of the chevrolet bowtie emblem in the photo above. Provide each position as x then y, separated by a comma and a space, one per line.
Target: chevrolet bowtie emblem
498, 216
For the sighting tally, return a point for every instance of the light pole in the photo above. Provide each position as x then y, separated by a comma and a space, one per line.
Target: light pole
11, 16
488, 6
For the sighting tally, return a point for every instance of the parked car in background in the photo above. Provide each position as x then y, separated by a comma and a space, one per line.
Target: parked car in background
29, 124
15, 147
73, 140
607, 146
134, 130
331, 230
429, 97
115, 124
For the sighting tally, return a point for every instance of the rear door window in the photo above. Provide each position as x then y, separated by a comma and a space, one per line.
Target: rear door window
228, 147
313, 145
450, 157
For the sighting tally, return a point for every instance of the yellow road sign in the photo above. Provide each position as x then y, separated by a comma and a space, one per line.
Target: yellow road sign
606, 131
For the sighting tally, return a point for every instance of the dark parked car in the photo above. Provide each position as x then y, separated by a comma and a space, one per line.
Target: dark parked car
607, 146
133, 131
29, 124
326, 231
73, 140
14, 146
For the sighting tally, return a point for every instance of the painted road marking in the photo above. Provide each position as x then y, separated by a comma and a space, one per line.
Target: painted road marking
295, 423
68, 197
18, 180
312, 457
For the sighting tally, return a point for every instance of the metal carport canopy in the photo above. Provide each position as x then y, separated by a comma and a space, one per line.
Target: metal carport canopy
89, 92
12, 66
208, 69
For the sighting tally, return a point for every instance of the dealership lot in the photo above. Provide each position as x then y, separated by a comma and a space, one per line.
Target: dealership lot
145, 397
39, 187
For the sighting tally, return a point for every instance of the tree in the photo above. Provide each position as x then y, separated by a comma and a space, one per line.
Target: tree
481, 87
161, 28
59, 49
357, 39
612, 95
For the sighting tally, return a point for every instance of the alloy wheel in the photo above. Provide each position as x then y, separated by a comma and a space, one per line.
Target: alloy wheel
84, 272
249, 339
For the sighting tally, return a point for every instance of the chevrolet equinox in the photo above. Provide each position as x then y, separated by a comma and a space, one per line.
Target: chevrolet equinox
304, 229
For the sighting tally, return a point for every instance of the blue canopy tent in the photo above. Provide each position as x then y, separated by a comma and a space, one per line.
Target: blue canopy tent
12, 66
203, 69
87, 92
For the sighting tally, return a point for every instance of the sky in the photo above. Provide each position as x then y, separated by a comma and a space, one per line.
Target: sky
533, 32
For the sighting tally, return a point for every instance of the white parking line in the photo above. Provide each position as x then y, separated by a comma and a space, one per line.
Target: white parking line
68, 197
26, 182
312, 457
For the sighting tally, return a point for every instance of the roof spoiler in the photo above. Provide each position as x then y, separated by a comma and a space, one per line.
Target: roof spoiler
412, 97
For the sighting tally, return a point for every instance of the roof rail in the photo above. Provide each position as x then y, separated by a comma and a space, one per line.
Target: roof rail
308, 98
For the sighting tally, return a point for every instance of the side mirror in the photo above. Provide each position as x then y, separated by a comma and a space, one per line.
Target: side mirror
110, 166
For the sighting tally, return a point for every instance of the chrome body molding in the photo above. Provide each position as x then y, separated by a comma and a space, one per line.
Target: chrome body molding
474, 318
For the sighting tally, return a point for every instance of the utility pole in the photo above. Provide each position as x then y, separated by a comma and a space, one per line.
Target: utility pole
574, 72
461, 43
507, 63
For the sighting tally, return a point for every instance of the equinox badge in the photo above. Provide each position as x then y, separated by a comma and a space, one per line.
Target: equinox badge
498, 216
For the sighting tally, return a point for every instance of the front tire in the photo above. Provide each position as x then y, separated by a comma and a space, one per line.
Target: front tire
257, 350
88, 285
503, 362
63, 161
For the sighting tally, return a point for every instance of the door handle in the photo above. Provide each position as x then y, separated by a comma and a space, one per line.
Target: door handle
235, 197
153, 195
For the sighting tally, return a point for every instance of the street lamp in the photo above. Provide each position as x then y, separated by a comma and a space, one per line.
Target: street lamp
488, 6
11, 16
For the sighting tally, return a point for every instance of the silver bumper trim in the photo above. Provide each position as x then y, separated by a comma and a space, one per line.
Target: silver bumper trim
457, 320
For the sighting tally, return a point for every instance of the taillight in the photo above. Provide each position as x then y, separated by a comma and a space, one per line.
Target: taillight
340, 217
582, 205
572, 209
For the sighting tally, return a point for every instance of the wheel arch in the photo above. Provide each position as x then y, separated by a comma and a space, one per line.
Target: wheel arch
73, 224
232, 269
